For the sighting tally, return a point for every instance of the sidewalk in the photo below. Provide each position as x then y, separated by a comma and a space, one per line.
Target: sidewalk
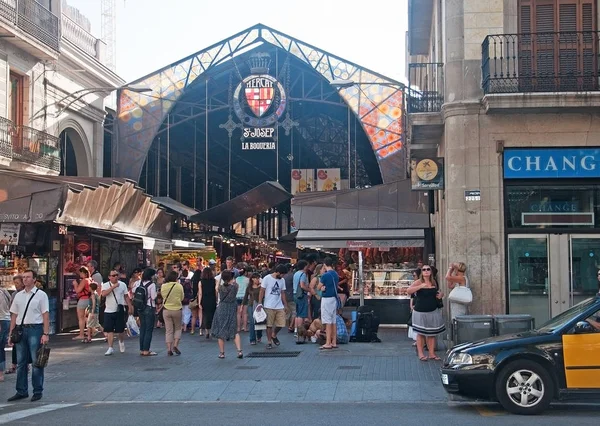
387, 371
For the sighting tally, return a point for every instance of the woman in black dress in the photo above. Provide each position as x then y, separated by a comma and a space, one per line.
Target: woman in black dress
225, 321
207, 295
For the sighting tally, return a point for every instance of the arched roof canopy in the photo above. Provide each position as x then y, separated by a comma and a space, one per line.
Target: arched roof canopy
376, 101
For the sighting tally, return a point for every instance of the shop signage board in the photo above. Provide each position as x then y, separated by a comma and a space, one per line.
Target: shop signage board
259, 101
552, 163
9, 234
427, 174
328, 179
303, 180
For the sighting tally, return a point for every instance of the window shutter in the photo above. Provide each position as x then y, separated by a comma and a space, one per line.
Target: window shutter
589, 45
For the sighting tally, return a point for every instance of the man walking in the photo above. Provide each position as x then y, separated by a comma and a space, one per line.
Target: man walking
272, 299
94, 274
329, 285
29, 310
116, 295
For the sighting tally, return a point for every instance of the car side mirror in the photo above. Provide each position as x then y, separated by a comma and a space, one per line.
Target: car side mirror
583, 327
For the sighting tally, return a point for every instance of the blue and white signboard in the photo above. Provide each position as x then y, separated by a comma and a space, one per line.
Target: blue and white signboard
551, 163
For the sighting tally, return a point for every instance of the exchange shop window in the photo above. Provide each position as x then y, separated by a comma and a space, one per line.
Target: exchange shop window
552, 207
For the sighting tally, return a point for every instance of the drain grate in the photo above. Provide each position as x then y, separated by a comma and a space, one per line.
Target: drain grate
155, 369
247, 367
349, 367
273, 354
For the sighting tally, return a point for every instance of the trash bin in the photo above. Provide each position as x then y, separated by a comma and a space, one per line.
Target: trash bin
513, 324
469, 328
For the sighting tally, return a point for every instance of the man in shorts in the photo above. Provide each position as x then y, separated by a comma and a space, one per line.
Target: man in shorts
116, 296
329, 284
272, 299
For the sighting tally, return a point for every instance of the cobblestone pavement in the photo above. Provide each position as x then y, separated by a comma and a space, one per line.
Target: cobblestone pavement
387, 371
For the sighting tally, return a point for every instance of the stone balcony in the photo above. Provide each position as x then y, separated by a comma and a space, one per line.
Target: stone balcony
82, 39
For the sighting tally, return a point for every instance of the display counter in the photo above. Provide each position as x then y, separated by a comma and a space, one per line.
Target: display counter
384, 291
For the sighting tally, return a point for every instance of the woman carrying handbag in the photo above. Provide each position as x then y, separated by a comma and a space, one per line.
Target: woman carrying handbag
460, 295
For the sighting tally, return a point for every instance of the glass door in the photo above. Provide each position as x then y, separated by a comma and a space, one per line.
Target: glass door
584, 262
528, 276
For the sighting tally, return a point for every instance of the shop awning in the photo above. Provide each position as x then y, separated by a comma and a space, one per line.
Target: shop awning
390, 206
188, 244
390, 215
116, 205
360, 238
175, 206
251, 203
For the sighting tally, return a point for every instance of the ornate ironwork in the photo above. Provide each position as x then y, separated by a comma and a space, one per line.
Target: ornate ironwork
379, 104
28, 145
540, 62
426, 87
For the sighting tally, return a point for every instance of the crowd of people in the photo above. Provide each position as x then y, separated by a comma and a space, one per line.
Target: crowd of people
220, 303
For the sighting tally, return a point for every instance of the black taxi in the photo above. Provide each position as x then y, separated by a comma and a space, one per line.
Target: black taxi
525, 372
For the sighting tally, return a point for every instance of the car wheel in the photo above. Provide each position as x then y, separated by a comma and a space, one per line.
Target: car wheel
524, 387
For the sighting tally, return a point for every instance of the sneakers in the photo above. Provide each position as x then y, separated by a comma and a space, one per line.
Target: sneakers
109, 352
121, 347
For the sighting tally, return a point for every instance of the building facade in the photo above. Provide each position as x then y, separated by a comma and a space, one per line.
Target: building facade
507, 92
53, 85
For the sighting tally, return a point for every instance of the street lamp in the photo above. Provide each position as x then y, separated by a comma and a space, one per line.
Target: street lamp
84, 92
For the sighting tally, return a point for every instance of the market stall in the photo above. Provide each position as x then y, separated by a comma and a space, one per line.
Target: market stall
389, 226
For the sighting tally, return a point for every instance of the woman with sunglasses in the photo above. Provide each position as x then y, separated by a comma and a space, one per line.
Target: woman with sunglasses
427, 319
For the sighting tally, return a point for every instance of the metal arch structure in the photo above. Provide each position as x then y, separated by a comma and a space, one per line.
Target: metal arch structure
376, 101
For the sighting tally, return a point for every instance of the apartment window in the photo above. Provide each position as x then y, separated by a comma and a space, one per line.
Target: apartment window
16, 103
557, 44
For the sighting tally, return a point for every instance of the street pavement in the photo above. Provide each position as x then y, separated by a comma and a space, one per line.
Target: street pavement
364, 382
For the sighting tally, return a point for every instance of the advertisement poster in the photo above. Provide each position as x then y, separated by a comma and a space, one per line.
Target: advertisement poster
303, 180
77, 253
328, 179
427, 174
9, 234
69, 290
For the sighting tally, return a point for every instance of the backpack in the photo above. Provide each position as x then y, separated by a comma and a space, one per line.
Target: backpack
140, 296
300, 292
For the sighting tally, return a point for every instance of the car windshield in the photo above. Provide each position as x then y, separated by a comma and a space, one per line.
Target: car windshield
563, 318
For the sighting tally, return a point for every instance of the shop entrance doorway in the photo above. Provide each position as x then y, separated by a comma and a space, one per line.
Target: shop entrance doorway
549, 273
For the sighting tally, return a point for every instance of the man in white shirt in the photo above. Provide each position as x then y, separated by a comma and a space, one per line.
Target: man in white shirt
116, 296
29, 310
272, 299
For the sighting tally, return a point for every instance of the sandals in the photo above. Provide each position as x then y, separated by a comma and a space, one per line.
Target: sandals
269, 346
177, 351
149, 354
170, 353
435, 358
221, 355
276, 341
325, 347
423, 358
10, 370
240, 355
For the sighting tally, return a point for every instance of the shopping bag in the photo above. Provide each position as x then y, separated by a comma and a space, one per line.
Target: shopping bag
259, 316
132, 326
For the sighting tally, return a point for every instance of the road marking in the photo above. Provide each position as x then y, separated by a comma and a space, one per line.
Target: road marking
17, 415
485, 411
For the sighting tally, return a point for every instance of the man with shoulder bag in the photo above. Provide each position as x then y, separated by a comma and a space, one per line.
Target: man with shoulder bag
29, 329
116, 294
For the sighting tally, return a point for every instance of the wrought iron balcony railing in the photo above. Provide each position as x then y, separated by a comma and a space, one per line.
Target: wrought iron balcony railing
540, 62
426, 87
34, 19
28, 145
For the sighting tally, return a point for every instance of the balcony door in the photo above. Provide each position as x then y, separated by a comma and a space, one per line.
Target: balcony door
558, 45
16, 109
